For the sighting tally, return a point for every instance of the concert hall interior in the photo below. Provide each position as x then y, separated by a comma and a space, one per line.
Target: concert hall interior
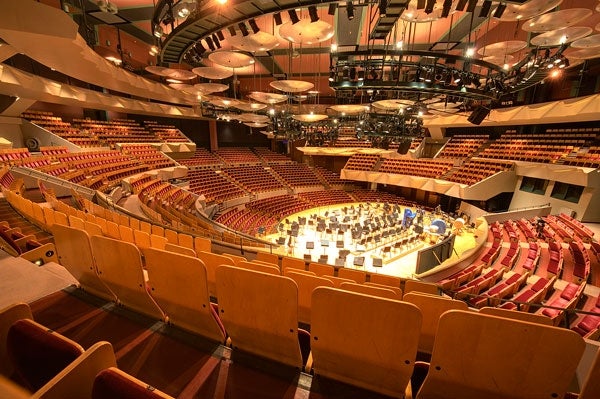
300, 199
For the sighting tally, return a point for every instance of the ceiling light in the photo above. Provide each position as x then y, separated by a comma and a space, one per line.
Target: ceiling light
420, 4
429, 6
254, 26
460, 6
231, 29
350, 10
216, 40
220, 35
158, 31
293, 16
277, 18
334, 47
312, 11
210, 43
470, 52
446, 8
471, 6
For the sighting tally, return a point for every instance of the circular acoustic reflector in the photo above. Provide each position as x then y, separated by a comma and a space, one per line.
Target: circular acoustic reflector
253, 118
306, 32
444, 111
256, 124
212, 72
412, 14
556, 20
499, 59
561, 36
261, 41
350, 109
502, 48
309, 117
180, 86
292, 86
268, 98
211, 87
532, 8
231, 59
160, 71
585, 53
246, 106
587, 42
182, 74
393, 104
223, 102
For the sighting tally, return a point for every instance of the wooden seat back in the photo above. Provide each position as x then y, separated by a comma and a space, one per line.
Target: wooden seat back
384, 279
420, 286
211, 262
259, 267
517, 315
294, 263
483, 356
306, 284
321, 269
373, 346
119, 265
178, 283
357, 275
432, 307
267, 257
380, 291
263, 325
75, 254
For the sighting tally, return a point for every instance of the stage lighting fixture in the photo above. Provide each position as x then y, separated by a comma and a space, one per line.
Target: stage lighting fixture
216, 40
277, 18
332, 8
243, 29
446, 8
220, 35
471, 6
350, 10
210, 43
460, 6
293, 16
382, 8
254, 26
500, 10
231, 29
429, 6
420, 4
485, 9
312, 11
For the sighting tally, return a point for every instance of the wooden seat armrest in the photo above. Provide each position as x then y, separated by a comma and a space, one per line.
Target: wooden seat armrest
8, 316
77, 379
46, 253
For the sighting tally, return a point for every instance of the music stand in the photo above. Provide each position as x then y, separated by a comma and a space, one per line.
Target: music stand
281, 240
324, 245
340, 262
359, 261
339, 244
377, 263
310, 245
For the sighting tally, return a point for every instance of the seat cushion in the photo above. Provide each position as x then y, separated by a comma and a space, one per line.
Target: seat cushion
113, 384
37, 354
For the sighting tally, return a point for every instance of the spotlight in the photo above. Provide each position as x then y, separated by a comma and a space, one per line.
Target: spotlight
293, 16
382, 7
471, 6
216, 40
361, 75
353, 73
243, 29
210, 43
158, 31
332, 8
485, 9
254, 26
232, 31
460, 6
312, 11
446, 8
429, 6
331, 76
220, 35
277, 18
350, 10
500, 10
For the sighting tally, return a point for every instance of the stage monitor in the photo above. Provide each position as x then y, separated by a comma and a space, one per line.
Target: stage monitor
433, 256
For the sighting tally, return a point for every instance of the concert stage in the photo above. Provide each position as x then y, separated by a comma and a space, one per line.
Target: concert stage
374, 237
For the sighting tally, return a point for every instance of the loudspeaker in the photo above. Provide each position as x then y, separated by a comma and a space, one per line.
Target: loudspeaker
404, 146
478, 115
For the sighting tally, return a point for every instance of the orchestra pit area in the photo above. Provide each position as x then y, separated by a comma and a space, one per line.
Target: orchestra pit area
170, 270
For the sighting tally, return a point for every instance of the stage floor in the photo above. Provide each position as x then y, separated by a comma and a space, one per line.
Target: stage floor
396, 261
